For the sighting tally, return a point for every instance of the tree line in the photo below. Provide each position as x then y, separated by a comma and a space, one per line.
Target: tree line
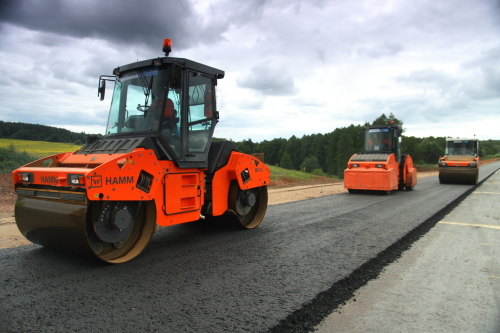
25, 131
316, 153
329, 153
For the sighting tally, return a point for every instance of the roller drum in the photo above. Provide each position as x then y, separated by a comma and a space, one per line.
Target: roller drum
458, 176
55, 225
72, 227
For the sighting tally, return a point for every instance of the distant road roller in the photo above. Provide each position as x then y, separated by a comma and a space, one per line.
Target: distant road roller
460, 164
155, 166
381, 166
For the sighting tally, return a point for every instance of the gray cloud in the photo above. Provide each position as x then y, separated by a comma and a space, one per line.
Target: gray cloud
429, 78
486, 65
125, 22
269, 80
422, 61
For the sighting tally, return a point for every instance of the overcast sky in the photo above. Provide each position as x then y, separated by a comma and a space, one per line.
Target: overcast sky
292, 67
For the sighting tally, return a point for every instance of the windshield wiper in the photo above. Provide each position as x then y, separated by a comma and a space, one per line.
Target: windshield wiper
147, 91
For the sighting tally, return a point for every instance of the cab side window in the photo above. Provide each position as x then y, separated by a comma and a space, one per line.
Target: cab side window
200, 113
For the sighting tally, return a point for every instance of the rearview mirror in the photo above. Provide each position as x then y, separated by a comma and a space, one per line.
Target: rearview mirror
102, 89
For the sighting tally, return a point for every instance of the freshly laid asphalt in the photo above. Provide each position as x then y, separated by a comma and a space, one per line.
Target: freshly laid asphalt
305, 260
449, 281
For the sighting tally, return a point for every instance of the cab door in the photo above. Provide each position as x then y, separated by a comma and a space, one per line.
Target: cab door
198, 121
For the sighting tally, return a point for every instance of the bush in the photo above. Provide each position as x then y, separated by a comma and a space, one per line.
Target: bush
319, 172
309, 164
11, 159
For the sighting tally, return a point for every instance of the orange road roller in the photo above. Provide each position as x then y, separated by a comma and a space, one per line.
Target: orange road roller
460, 164
155, 166
381, 166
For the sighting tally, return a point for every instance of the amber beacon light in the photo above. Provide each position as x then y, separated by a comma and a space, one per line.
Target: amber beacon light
167, 46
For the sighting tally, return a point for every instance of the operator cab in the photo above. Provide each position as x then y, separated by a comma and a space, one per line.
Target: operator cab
383, 139
168, 101
462, 147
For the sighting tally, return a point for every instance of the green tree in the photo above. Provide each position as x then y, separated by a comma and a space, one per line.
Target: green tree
318, 149
345, 149
286, 161
54, 138
331, 151
384, 120
293, 148
411, 146
430, 150
305, 146
309, 164
271, 150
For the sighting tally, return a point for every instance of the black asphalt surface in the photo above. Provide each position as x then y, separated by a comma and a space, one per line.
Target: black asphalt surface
304, 260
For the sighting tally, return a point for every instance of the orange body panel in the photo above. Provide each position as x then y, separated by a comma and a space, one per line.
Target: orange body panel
459, 161
178, 193
385, 177
259, 173
371, 179
187, 196
409, 172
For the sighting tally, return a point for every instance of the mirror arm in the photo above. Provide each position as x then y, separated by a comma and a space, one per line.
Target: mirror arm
101, 87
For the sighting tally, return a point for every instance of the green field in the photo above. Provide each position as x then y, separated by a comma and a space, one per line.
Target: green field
38, 149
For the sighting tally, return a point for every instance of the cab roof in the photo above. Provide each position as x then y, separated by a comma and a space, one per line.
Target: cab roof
193, 65
462, 139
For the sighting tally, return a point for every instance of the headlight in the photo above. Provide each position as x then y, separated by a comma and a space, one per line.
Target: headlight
76, 180
26, 177
472, 165
442, 164
379, 165
355, 165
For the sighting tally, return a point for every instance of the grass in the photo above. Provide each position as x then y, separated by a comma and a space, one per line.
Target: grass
426, 167
284, 175
38, 149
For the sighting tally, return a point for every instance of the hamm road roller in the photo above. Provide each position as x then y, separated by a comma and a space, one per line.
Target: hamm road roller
155, 166
381, 166
460, 164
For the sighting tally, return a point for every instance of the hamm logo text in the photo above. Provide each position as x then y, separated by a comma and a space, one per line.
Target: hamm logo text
48, 179
119, 180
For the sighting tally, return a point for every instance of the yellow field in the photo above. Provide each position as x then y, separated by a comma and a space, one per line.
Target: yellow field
39, 148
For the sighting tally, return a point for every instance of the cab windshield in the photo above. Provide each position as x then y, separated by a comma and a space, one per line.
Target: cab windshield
137, 96
378, 140
461, 147
143, 103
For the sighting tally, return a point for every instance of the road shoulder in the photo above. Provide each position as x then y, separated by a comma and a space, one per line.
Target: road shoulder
449, 281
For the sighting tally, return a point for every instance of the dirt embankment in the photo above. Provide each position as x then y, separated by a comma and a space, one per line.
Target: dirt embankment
7, 196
